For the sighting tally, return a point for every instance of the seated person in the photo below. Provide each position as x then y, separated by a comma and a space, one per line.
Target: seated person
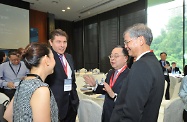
174, 69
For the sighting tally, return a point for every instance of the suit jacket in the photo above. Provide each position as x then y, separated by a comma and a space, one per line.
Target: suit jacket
164, 69
56, 83
175, 69
141, 93
109, 102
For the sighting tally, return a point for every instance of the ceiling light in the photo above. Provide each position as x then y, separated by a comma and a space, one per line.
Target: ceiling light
68, 7
63, 10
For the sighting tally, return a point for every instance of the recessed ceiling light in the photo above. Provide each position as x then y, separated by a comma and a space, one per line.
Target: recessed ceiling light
63, 10
68, 7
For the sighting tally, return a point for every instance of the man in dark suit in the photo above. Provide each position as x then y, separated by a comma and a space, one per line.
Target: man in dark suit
166, 69
62, 81
113, 81
174, 68
141, 93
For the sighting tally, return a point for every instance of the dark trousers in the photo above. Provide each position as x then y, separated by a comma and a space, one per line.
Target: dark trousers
167, 96
185, 116
71, 115
9, 92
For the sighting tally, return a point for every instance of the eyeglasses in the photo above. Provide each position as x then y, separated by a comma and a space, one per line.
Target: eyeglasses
114, 56
126, 42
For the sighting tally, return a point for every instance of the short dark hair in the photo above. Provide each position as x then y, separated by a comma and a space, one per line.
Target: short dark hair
173, 63
13, 52
124, 51
33, 54
163, 53
58, 32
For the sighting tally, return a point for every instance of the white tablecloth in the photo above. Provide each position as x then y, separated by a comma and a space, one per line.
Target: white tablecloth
87, 94
174, 81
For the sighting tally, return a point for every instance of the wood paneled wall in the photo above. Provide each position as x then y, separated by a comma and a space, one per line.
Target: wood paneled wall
39, 20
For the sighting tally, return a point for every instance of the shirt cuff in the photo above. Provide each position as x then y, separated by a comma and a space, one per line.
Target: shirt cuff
94, 88
4, 83
115, 97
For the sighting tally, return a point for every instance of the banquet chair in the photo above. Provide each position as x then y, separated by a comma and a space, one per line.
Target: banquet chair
83, 70
163, 103
89, 111
165, 87
96, 71
3, 98
176, 91
173, 82
173, 111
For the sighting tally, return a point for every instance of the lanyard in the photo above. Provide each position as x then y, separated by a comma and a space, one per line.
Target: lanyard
112, 81
13, 69
35, 75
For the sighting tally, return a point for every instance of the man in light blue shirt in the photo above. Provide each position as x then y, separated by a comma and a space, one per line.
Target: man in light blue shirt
11, 72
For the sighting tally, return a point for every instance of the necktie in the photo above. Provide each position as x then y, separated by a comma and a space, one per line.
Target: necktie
163, 63
116, 72
61, 59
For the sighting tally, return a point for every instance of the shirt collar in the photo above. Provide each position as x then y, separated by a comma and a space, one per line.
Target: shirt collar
119, 70
13, 64
142, 55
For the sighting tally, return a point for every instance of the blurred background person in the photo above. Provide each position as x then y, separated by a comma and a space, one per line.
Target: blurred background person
2, 57
33, 100
11, 72
166, 69
183, 93
174, 68
113, 82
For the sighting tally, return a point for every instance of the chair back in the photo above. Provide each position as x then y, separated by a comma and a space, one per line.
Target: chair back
165, 87
173, 111
3, 98
96, 71
83, 70
89, 111
176, 91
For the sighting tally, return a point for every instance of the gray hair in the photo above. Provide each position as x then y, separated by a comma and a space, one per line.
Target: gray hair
138, 30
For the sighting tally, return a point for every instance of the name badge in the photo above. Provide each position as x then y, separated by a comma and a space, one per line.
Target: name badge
67, 84
165, 73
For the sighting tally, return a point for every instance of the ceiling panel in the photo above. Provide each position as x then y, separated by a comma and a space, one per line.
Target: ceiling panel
80, 9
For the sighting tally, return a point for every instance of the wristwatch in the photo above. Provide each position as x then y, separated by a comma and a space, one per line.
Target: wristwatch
115, 96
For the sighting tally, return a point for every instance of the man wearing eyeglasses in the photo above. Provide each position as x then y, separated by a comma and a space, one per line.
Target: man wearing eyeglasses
113, 81
12, 72
141, 94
